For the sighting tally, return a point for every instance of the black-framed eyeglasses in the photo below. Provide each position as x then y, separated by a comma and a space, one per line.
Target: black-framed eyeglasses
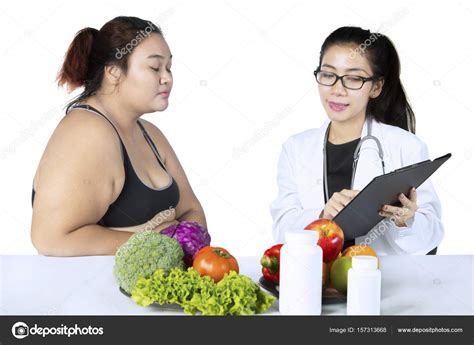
351, 82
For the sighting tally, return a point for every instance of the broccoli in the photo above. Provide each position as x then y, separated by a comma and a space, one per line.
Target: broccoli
143, 254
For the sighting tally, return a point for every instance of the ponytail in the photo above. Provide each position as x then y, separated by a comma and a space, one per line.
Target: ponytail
91, 50
73, 73
391, 106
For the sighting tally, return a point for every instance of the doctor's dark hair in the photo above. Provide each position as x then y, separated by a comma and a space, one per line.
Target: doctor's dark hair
391, 106
91, 50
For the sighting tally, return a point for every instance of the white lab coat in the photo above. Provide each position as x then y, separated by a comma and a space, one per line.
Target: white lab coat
301, 198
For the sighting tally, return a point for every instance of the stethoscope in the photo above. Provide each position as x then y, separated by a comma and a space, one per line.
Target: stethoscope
356, 156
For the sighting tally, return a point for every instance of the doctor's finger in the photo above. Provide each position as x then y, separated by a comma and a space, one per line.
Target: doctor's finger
350, 193
334, 204
385, 214
397, 216
341, 198
391, 209
413, 195
330, 212
407, 202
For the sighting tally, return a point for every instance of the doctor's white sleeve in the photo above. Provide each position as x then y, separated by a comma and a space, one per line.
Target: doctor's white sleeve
287, 211
425, 231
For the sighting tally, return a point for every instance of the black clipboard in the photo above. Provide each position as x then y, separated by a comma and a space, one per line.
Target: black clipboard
361, 214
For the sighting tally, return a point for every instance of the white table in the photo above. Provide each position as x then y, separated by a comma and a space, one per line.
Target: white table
38, 285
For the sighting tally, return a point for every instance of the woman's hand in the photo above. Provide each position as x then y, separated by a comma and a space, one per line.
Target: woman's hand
337, 202
400, 215
165, 225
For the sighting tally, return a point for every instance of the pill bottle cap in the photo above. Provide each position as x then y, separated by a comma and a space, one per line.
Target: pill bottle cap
302, 236
365, 263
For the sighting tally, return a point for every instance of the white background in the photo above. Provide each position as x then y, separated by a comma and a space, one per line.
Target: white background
243, 84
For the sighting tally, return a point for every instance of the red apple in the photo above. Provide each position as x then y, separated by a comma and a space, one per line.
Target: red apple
331, 238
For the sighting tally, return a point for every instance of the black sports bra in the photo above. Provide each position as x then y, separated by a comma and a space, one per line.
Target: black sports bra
137, 203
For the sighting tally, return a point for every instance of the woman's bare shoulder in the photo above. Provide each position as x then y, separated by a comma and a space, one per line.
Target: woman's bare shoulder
81, 141
81, 122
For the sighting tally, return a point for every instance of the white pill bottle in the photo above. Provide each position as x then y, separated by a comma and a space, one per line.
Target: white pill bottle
301, 262
364, 286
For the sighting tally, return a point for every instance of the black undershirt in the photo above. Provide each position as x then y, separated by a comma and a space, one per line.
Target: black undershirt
339, 169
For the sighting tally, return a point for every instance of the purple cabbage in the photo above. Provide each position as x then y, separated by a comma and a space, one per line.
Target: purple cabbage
191, 236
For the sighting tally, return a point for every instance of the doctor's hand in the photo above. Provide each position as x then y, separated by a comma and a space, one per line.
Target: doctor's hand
337, 202
399, 215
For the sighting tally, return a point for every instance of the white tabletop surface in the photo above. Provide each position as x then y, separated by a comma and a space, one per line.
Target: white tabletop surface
38, 285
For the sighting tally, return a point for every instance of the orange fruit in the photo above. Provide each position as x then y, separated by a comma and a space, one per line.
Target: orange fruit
358, 250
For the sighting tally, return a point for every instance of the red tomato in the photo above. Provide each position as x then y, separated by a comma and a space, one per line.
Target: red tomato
214, 262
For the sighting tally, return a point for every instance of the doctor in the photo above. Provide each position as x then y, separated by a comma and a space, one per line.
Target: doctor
369, 132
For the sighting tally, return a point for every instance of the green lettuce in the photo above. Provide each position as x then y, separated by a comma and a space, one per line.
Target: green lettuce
235, 294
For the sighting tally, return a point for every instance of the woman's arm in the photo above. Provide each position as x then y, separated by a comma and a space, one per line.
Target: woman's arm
189, 208
74, 188
87, 240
